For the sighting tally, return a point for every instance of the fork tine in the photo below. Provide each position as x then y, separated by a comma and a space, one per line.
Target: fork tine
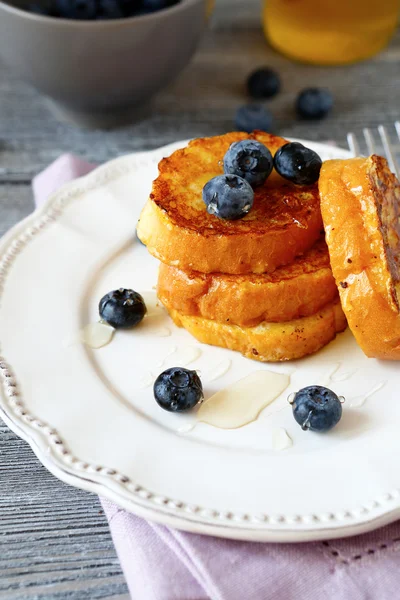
388, 150
397, 125
353, 144
369, 139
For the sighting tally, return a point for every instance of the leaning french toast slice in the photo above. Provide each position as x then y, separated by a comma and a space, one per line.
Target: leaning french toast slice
360, 203
291, 292
284, 221
269, 342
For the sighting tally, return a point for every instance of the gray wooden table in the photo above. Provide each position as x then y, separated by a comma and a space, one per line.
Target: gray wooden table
54, 539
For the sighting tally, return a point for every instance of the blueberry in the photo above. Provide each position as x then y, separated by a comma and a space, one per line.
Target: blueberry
228, 197
178, 389
83, 10
153, 5
250, 160
314, 103
253, 116
122, 308
38, 9
128, 8
263, 83
316, 408
109, 9
297, 163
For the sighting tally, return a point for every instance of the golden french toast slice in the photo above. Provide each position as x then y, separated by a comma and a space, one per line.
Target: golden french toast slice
297, 290
269, 342
360, 202
284, 222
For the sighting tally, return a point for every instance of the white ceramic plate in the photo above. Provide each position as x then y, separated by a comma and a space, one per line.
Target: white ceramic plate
90, 419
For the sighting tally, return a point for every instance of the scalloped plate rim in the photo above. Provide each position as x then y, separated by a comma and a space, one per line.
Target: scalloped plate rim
169, 517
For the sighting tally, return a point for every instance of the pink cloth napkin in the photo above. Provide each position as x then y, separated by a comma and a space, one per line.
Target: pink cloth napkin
165, 564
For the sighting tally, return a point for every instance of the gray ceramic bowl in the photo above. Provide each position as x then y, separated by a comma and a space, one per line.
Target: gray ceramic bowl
100, 72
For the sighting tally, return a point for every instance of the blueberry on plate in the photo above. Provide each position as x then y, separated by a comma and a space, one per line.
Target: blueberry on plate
316, 408
122, 308
298, 164
249, 159
314, 103
253, 116
263, 83
228, 197
82, 10
178, 389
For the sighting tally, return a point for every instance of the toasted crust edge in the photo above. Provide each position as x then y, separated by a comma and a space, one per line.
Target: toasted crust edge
269, 342
245, 302
350, 209
234, 254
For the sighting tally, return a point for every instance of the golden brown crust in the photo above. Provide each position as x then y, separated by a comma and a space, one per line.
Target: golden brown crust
284, 222
290, 292
360, 203
269, 342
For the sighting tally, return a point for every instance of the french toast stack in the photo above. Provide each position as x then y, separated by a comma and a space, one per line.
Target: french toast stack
261, 285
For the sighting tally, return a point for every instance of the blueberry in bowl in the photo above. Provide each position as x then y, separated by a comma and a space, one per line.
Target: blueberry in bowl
90, 10
153, 5
250, 160
228, 197
105, 84
298, 164
178, 389
81, 10
122, 308
110, 9
316, 408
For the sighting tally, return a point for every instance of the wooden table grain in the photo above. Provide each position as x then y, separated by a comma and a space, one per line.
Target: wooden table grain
54, 539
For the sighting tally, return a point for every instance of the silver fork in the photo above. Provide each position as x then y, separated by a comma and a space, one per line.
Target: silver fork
388, 151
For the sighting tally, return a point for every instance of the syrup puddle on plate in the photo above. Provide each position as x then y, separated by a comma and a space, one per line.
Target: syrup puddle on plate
146, 380
219, 370
186, 428
183, 356
180, 357
328, 376
158, 331
334, 376
342, 376
281, 440
97, 335
240, 403
360, 400
170, 352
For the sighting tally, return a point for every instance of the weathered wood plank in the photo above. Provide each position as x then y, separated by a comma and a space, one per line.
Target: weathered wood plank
16, 202
54, 539
202, 101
